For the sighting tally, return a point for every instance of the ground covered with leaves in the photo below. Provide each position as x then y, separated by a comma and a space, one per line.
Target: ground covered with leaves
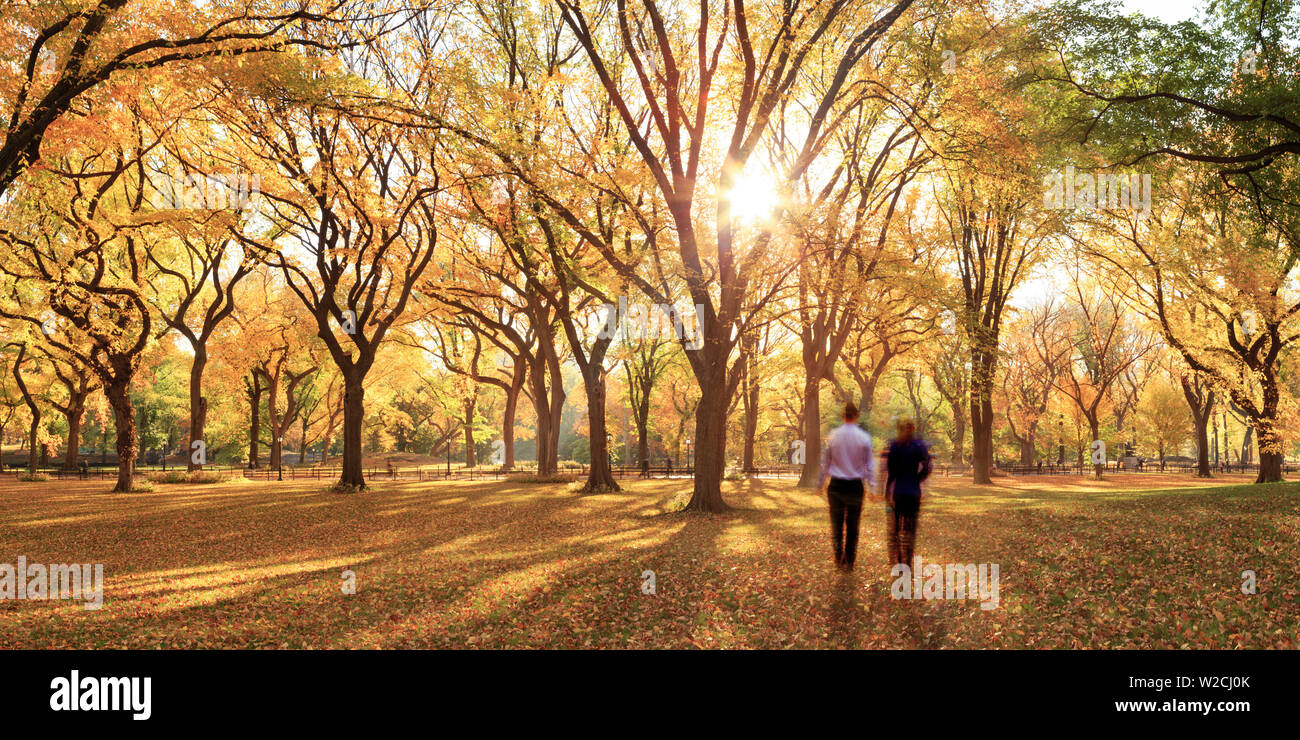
1133, 562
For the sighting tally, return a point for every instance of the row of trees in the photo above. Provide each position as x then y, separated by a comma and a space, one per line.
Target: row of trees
422, 199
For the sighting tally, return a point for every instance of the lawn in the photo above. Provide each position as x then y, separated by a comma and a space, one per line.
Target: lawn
460, 564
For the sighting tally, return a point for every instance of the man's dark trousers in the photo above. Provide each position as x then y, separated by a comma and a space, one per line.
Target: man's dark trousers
845, 497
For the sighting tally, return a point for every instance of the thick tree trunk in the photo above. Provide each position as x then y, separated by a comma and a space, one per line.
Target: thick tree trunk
119, 398
981, 416
812, 433
600, 479
354, 412
508, 420
302, 445
198, 404
981, 413
751, 424
32, 455
1202, 423
1027, 451
958, 439
1094, 428
76, 410
1270, 451
254, 420
710, 447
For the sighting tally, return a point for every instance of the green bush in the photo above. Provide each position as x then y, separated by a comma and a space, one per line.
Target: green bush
182, 476
33, 477
557, 478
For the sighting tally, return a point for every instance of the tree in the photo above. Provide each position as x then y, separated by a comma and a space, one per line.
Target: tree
670, 133
1103, 344
354, 203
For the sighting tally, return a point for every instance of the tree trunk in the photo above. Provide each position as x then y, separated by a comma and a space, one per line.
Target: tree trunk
958, 439
76, 409
471, 405
198, 404
1270, 451
32, 454
302, 445
981, 415
600, 479
508, 422
354, 412
254, 419
119, 398
1094, 428
1027, 451
751, 425
710, 447
812, 433
1201, 406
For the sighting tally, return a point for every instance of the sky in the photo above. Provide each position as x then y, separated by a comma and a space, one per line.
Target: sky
1169, 11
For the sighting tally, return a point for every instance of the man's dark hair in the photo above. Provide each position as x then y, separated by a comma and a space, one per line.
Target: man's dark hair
850, 411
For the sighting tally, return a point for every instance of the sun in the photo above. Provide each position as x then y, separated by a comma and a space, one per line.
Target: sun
752, 199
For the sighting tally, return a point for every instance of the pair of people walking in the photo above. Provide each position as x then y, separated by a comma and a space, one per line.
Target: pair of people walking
848, 461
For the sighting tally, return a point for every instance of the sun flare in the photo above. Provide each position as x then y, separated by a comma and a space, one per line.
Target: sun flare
752, 198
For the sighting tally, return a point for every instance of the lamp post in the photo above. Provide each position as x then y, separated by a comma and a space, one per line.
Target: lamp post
1060, 439
279, 458
690, 457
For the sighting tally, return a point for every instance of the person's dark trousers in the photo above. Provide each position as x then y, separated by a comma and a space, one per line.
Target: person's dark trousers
900, 525
845, 497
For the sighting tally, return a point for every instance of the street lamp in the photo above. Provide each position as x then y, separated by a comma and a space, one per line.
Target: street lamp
279, 458
1060, 439
690, 458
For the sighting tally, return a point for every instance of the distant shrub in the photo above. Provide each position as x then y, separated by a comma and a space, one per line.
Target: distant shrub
538, 479
33, 477
141, 486
346, 488
183, 476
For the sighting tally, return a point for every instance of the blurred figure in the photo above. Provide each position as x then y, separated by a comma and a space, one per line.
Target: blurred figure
907, 464
849, 463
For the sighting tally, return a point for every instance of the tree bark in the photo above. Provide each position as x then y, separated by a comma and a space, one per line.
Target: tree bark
812, 433
1201, 405
76, 409
354, 411
600, 479
471, 406
119, 398
508, 420
751, 418
1270, 451
981, 415
198, 404
254, 418
710, 444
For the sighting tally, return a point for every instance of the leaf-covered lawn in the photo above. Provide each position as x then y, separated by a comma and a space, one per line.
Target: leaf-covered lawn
513, 565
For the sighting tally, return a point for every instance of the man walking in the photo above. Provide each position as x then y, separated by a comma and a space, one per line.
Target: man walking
850, 464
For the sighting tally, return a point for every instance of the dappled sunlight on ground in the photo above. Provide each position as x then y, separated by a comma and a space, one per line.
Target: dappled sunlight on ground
1131, 561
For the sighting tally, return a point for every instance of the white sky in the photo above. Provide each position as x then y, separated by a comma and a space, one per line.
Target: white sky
1169, 11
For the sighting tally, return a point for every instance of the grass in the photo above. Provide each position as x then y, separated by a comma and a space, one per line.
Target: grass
506, 564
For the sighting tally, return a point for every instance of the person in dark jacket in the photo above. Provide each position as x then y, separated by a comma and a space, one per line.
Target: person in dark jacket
908, 463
